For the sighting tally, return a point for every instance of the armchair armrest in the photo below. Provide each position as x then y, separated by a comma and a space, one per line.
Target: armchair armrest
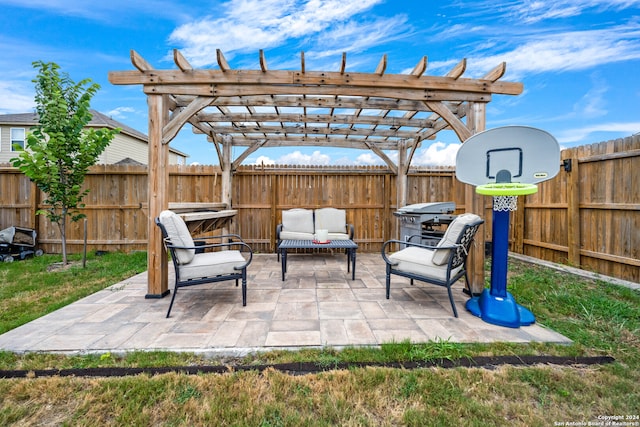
409, 243
239, 245
232, 237
350, 231
428, 234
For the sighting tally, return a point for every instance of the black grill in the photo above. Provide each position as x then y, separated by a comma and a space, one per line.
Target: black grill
426, 220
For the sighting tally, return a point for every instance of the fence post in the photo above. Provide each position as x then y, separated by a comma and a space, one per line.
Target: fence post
274, 182
387, 226
518, 228
35, 201
573, 213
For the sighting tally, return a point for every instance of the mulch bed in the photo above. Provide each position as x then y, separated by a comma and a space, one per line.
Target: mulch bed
303, 368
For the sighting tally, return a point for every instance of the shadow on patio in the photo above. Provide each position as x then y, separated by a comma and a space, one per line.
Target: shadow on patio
318, 305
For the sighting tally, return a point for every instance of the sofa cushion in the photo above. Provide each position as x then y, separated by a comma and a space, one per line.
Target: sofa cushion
338, 236
179, 235
297, 221
331, 219
419, 261
211, 264
451, 236
293, 235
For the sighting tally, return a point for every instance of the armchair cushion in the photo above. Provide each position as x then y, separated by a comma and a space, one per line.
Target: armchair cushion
213, 264
338, 236
419, 261
441, 256
179, 235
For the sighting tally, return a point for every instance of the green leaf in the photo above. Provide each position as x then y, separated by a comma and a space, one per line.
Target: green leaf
59, 149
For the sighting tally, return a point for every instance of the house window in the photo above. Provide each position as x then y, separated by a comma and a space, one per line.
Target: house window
17, 138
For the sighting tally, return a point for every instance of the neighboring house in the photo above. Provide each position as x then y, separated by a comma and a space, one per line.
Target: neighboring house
129, 146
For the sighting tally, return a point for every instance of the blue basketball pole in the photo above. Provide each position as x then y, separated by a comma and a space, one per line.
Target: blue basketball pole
495, 305
499, 253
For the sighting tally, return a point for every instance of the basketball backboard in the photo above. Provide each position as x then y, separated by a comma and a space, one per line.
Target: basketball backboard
508, 154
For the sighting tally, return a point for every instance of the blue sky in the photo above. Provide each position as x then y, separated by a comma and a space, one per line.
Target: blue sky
579, 60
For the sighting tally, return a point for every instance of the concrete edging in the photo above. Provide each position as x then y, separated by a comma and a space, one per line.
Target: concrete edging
576, 271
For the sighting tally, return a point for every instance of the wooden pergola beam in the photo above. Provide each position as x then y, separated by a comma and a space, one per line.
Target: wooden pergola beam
222, 62
274, 78
181, 61
420, 67
219, 90
311, 141
317, 118
171, 129
383, 156
382, 65
246, 153
300, 101
263, 129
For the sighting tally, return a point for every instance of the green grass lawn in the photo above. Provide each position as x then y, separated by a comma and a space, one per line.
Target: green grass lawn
601, 319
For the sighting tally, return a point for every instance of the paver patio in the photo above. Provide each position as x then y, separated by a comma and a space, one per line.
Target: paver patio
318, 305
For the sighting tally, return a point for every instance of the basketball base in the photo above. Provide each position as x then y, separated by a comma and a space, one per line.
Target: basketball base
500, 311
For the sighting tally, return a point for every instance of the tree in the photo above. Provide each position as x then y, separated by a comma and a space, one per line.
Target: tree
59, 150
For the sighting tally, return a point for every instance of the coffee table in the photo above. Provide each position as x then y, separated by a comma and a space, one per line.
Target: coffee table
349, 245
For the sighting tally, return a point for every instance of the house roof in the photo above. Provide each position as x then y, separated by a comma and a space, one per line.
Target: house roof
98, 120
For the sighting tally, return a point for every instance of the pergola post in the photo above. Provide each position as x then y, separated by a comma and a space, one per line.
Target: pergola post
476, 121
226, 163
403, 168
158, 176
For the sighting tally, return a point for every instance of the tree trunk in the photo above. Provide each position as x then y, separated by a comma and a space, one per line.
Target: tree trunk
63, 235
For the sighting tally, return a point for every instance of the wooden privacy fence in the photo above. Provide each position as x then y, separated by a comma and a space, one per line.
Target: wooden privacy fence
588, 216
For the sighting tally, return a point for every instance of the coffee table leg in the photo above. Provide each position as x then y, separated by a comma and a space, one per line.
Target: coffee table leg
349, 260
283, 258
353, 261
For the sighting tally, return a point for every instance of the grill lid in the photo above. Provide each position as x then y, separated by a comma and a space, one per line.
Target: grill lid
428, 208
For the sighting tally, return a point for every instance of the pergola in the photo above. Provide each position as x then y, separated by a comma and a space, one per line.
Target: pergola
276, 108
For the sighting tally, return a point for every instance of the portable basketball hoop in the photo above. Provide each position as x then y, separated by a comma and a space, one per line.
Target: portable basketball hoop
517, 158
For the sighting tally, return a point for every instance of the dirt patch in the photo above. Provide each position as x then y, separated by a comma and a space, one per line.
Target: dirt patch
302, 368
59, 266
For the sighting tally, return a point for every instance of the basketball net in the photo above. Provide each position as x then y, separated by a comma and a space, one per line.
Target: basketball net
505, 203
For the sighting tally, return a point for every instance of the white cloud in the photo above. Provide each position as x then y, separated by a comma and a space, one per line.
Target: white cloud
249, 25
368, 159
264, 160
436, 154
352, 37
572, 50
298, 158
14, 100
593, 103
569, 136
532, 11
120, 112
103, 11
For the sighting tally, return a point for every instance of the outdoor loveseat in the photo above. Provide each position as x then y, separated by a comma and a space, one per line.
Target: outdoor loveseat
443, 264
303, 224
203, 260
